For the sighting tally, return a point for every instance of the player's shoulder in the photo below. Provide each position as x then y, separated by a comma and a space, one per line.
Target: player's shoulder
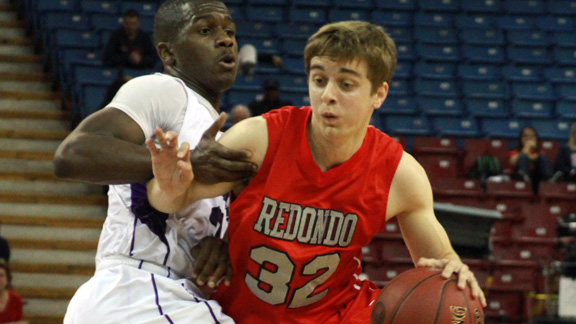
160, 84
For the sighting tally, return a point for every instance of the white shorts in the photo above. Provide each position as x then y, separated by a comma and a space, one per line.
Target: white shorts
123, 294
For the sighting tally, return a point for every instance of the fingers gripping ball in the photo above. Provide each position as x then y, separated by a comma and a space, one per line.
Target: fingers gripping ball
423, 296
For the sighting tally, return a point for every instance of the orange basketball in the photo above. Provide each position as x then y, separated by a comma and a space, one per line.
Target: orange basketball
423, 296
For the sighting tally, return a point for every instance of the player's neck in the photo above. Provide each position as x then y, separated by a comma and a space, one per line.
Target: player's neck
330, 151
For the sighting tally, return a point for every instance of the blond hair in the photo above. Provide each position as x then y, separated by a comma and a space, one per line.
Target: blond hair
347, 41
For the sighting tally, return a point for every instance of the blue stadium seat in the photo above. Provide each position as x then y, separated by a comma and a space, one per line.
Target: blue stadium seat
440, 5
526, 73
358, 4
435, 70
100, 22
396, 5
482, 36
399, 105
93, 95
437, 106
402, 87
308, 3
532, 108
68, 58
557, 74
440, 88
144, 8
392, 18
529, 55
293, 82
562, 7
515, 22
400, 34
566, 109
236, 11
52, 21
307, 15
565, 39
440, 53
66, 38
479, 72
234, 97
469, 21
147, 24
100, 6
134, 73
403, 70
485, 89
533, 91
566, 91
407, 125
293, 46
407, 51
293, 65
266, 13
505, 128
248, 82
295, 30
492, 54
342, 14
253, 29
456, 126
493, 108
555, 24
552, 129
434, 19
298, 98
266, 45
527, 37
565, 56
482, 6
524, 7
266, 2
89, 75
436, 35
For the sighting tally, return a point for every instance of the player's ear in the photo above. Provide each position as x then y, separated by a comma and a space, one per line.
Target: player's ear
166, 54
380, 96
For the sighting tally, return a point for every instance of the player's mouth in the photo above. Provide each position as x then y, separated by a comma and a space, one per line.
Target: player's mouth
329, 116
227, 61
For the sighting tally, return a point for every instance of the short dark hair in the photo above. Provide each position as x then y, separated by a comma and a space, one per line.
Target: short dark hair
131, 13
170, 18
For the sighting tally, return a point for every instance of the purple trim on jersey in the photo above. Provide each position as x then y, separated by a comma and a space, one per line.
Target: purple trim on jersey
147, 215
209, 308
133, 236
141, 263
157, 300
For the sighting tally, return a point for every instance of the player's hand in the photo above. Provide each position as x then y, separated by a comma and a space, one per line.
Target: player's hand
448, 267
214, 163
212, 262
170, 163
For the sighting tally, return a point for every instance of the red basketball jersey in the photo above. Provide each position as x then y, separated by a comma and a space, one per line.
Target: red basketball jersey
296, 233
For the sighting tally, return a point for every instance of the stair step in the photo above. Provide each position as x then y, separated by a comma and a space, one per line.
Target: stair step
59, 235
47, 293
26, 58
58, 187
48, 257
45, 311
28, 105
28, 141
51, 221
11, 32
31, 280
30, 77
35, 114
11, 124
30, 86
27, 155
29, 95
19, 43
44, 319
28, 176
70, 212
60, 245
63, 269
23, 165
15, 66
37, 198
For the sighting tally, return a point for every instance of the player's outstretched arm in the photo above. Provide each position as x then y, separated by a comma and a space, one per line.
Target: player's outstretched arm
168, 190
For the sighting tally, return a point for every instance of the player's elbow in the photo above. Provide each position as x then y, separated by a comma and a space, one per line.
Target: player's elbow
63, 162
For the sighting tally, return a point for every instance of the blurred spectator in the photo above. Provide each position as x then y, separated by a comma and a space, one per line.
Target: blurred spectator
129, 46
565, 164
11, 305
269, 100
4, 250
239, 112
527, 161
248, 58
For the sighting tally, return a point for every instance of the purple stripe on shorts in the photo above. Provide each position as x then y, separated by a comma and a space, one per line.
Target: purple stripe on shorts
210, 309
157, 299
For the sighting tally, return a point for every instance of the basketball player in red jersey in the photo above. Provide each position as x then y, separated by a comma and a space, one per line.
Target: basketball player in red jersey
327, 183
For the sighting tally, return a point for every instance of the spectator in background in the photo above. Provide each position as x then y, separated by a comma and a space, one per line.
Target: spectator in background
248, 58
11, 305
269, 100
566, 159
129, 46
4, 250
527, 161
239, 112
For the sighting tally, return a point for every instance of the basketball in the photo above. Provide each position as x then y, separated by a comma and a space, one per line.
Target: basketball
423, 296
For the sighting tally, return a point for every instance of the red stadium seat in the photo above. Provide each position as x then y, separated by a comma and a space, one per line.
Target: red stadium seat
440, 167
434, 145
457, 188
558, 192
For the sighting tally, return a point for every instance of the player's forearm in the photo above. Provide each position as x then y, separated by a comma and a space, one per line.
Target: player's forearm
102, 160
165, 201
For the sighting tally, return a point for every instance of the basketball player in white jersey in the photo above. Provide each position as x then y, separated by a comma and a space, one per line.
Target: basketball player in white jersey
144, 263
